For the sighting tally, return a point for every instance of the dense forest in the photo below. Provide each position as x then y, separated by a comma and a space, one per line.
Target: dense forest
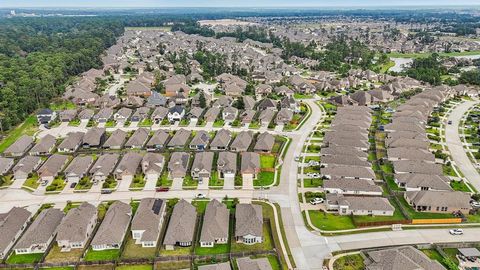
428, 69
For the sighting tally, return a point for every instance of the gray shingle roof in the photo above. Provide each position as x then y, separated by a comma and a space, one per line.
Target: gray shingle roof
74, 226
265, 142
10, 224
181, 226
114, 224
20, 146
41, 229
44, 145
104, 164
248, 220
250, 162
222, 138
215, 222
147, 218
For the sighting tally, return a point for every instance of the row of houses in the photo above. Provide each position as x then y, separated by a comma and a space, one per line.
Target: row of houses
415, 167
349, 183
141, 138
125, 167
75, 229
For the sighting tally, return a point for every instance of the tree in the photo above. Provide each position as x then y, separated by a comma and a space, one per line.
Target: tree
202, 101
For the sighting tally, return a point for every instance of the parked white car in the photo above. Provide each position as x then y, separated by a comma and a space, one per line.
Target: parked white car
475, 204
316, 201
456, 232
200, 196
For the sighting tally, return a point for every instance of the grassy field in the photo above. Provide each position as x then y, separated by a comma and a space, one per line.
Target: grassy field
217, 249
24, 258
103, 255
134, 267
264, 179
267, 161
312, 182
330, 222
28, 127
133, 251
55, 256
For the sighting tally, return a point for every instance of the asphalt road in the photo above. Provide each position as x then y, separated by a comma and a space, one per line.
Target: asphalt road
455, 146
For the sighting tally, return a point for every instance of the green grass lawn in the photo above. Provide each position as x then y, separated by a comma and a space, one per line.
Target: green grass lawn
201, 205
218, 123
215, 181
24, 258
350, 262
177, 251
138, 181
433, 254
397, 215
28, 127
267, 161
330, 222
312, 182
146, 123
134, 251
264, 179
134, 267
451, 254
173, 265
164, 181
55, 256
217, 249
57, 184
188, 181
460, 186
32, 182
102, 255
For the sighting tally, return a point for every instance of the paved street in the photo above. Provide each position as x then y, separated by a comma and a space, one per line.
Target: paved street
455, 146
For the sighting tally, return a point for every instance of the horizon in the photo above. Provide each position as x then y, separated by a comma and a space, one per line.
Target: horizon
262, 4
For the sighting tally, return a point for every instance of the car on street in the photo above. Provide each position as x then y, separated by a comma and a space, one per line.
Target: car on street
456, 231
449, 122
475, 204
297, 158
200, 196
44, 183
106, 191
316, 201
162, 189
72, 185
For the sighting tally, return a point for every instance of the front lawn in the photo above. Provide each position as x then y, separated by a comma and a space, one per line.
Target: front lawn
215, 181
32, 182
330, 222
317, 182
138, 181
24, 258
219, 123
164, 181
264, 179
134, 251
459, 186
57, 185
102, 255
188, 181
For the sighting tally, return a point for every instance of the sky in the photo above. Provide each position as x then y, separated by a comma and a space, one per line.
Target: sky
231, 3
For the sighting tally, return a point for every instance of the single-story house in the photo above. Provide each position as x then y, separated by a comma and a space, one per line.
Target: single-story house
248, 223
147, 222
215, 224
181, 227
77, 227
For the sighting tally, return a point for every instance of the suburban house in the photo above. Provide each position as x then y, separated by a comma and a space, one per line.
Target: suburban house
221, 140
348, 171
217, 266
247, 116
195, 113
103, 116
179, 140
40, 233
178, 165
138, 139
46, 116
147, 222
265, 142
176, 113
202, 166
181, 227
352, 187
266, 116
156, 100
159, 114
19, 147
250, 165
284, 116
77, 227
246, 263
227, 165
439, 201
157, 141
122, 115
103, 167
152, 166
5, 165
114, 227
128, 166
116, 140
52, 167
215, 224
248, 223
359, 206
200, 141
418, 181
78, 168
25, 167
400, 258
71, 143
241, 142
94, 138
44, 146
140, 114
12, 225
229, 114
212, 114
